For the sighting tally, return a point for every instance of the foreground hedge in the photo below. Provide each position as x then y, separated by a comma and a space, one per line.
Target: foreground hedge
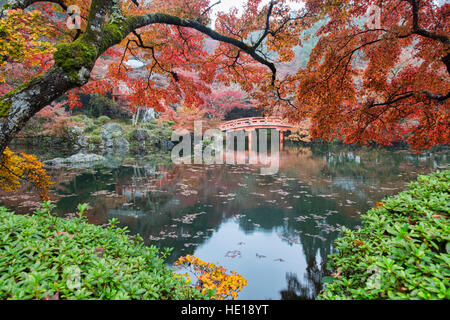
402, 252
45, 257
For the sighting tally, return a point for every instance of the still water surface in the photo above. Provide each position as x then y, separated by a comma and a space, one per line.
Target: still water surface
274, 230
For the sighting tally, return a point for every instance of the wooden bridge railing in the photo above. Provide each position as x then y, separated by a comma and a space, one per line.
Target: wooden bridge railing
255, 123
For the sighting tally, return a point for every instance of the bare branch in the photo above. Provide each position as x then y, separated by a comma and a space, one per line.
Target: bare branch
209, 8
267, 27
153, 18
156, 62
422, 32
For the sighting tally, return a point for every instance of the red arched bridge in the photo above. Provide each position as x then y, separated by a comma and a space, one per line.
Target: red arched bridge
250, 124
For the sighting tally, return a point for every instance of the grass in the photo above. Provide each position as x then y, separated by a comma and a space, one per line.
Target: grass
47, 257
403, 250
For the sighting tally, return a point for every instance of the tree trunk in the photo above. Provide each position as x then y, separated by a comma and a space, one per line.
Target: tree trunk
28, 99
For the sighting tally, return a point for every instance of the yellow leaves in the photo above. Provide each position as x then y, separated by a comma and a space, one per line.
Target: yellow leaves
212, 277
14, 168
23, 39
377, 205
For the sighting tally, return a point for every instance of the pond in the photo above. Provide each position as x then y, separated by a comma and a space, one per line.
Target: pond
275, 230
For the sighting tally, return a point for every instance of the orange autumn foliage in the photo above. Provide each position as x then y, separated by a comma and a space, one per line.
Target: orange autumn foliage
319, 60
213, 277
24, 37
16, 167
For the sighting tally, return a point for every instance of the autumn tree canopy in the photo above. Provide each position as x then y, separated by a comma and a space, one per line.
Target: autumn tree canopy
362, 82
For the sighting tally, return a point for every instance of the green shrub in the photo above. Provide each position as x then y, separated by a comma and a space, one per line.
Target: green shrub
124, 122
402, 252
89, 128
103, 119
97, 131
99, 105
130, 135
95, 139
79, 118
155, 131
42, 256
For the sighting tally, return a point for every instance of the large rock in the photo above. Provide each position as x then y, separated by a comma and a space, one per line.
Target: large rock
82, 141
141, 135
111, 135
81, 158
76, 131
108, 143
121, 144
110, 131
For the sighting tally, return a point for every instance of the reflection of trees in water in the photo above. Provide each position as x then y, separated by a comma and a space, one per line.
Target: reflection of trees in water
309, 289
152, 197
308, 223
377, 164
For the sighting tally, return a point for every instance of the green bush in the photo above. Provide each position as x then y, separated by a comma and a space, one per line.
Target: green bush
102, 120
402, 252
97, 131
44, 257
130, 135
99, 105
95, 139
79, 118
158, 132
89, 128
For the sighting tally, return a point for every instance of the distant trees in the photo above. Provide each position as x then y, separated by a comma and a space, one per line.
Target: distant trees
99, 105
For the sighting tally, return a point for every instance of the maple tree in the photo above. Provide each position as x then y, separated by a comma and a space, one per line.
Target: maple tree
53, 120
361, 84
16, 167
170, 34
212, 278
368, 83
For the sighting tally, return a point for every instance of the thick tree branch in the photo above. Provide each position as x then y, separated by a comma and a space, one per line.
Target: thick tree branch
436, 97
422, 32
267, 26
149, 19
74, 61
